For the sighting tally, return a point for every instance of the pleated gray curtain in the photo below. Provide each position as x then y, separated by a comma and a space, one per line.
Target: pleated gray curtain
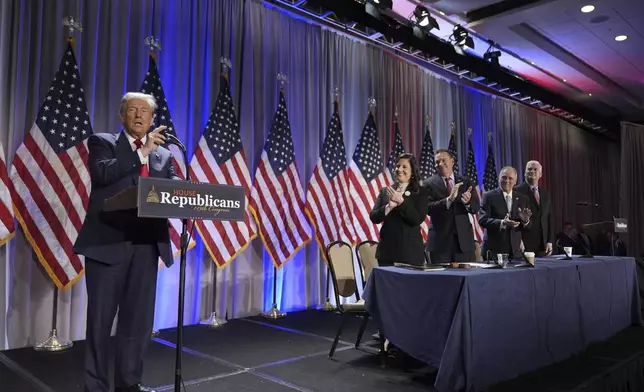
631, 185
261, 41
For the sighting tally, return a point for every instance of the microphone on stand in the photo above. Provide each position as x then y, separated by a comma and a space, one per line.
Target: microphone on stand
171, 139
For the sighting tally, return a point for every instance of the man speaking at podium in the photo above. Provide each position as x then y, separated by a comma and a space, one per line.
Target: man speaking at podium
121, 250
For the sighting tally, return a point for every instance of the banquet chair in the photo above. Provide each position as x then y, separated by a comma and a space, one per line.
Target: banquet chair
343, 277
366, 254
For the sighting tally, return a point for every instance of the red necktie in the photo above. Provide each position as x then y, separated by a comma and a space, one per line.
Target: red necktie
448, 182
536, 195
143, 171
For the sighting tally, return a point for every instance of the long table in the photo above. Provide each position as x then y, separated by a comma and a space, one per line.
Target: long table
482, 326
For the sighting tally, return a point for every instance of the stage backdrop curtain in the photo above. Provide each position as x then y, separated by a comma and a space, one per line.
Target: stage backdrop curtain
262, 41
632, 183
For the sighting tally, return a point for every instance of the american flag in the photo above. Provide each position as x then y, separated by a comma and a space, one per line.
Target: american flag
452, 148
472, 175
427, 165
368, 176
490, 177
50, 177
277, 197
220, 159
152, 85
427, 169
7, 225
327, 199
396, 150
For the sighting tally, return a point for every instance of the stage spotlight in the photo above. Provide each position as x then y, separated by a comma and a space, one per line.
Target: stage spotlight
424, 19
462, 37
492, 55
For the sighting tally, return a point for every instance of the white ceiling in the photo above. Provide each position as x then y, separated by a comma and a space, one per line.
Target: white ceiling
564, 44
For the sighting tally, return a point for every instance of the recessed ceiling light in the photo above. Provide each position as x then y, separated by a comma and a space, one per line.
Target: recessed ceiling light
590, 95
621, 37
564, 80
532, 62
587, 8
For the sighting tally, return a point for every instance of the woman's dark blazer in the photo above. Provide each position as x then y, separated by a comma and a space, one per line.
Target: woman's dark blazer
400, 238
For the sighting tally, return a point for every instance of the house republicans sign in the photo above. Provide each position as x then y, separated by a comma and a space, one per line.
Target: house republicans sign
165, 198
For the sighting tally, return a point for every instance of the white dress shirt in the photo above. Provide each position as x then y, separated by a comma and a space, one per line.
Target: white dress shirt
131, 139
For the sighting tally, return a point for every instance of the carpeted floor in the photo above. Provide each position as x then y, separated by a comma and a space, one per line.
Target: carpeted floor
257, 354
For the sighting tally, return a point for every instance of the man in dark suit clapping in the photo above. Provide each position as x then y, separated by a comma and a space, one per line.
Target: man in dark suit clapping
450, 236
505, 214
540, 236
121, 250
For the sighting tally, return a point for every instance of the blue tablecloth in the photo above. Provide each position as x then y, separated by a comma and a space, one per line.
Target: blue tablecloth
482, 326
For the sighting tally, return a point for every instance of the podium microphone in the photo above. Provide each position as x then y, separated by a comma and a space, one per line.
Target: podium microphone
171, 139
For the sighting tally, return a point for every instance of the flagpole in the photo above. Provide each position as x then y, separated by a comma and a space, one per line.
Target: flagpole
154, 44
328, 306
213, 321
53, 342
274, 312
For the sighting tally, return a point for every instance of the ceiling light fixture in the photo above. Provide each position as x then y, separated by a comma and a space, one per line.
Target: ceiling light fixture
424, 19
462, 37
587, 8
621, 38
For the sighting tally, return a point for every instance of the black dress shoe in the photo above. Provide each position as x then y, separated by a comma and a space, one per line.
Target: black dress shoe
135, 388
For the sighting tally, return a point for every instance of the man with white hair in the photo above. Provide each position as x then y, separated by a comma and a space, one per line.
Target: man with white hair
539, 237
121, 250
505, 214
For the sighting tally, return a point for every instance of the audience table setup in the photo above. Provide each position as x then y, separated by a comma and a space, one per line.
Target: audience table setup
485, 323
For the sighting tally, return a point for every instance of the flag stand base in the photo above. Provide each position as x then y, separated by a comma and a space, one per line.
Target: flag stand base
328, 306
213, 322
53, 343
274, 313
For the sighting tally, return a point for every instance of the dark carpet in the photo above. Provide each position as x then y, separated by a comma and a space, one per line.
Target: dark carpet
291, 354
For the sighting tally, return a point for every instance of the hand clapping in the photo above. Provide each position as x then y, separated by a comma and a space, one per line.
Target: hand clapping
395, 197
525, 214
466, 196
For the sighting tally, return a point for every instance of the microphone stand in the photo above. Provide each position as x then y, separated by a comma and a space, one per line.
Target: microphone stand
182, 275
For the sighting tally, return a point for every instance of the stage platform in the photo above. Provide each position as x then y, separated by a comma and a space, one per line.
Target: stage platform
257, 354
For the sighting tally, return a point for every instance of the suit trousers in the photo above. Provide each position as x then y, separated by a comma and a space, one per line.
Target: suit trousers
451, 253
129, 286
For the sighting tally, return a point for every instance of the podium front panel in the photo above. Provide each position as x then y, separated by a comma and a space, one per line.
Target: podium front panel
165, 198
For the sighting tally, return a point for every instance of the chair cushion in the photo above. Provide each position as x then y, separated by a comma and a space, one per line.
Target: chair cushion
354, 307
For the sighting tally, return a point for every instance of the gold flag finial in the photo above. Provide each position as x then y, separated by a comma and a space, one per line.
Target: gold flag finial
489, 136
428, 121
469, 131
453, 127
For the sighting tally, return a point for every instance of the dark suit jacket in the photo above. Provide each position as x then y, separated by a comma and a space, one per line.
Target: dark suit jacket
541, 231
445, 222
113, 167
493, 210
400, 238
